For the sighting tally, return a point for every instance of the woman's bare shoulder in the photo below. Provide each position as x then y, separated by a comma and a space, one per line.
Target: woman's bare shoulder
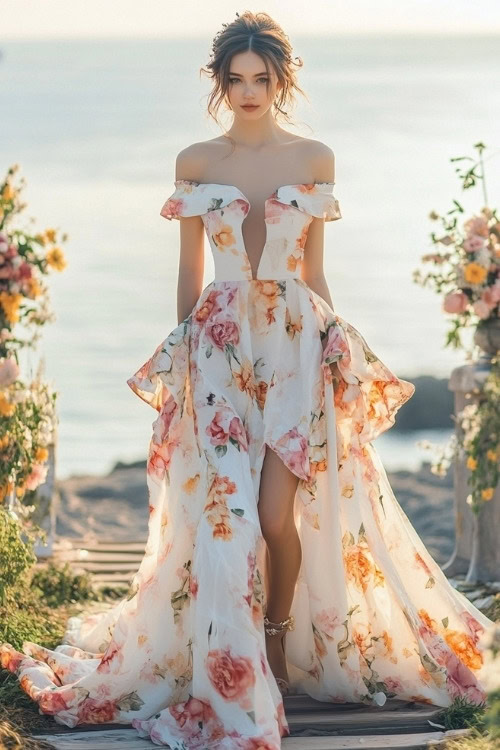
320, 159
193, 160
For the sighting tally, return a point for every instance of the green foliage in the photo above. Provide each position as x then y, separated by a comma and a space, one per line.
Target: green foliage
58, 584
17, 553
461, 713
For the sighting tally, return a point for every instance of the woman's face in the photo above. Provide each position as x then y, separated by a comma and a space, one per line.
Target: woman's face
247, 86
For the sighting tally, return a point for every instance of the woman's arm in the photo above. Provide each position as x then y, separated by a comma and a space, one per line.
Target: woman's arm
192, 244
312, 272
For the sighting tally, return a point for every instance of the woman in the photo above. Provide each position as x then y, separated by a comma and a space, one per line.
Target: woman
270, 512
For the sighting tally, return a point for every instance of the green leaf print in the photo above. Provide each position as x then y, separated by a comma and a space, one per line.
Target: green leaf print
445, 622
220, 450
430, 583
208, 351
348, 539
238, 511
130, 702
251, 715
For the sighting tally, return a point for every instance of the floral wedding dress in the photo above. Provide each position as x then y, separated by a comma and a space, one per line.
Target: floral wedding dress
183, 657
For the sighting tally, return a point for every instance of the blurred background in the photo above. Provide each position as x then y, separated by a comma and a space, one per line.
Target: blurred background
98, 98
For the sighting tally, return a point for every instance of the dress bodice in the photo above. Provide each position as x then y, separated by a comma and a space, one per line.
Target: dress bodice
223, 208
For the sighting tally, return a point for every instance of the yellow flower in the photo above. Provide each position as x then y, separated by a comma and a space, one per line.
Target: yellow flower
471, 463
474, 273
56, 259
487, 494
33, 288
41, 454
492, 455
10, 304
8, 192
6, 408
6, 489
40, 238
50, 234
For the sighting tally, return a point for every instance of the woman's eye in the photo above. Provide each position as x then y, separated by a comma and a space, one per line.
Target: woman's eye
236, 80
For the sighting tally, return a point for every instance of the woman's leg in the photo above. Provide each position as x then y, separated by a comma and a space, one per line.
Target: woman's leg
284, 554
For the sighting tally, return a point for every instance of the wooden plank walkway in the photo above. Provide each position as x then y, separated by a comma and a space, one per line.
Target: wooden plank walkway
398, 725
111, 563
313, 725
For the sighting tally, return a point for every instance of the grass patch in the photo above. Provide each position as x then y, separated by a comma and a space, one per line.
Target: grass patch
37, 610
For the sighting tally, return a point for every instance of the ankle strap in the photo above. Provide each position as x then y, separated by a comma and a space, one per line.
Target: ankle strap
272, 628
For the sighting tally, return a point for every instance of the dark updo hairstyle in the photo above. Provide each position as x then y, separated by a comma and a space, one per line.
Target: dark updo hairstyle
259, 33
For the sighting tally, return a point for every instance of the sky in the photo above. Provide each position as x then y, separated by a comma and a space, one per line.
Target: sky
45, 19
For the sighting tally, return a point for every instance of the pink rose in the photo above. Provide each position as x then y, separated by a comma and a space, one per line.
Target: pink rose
37, 476
292, 448
237, 432
172, 208
223, 332
92, 711
477, 225
455, 302
230, 675
481, 309
9, 371
52, 703
335, 347
491, 295
218, 429
473, 243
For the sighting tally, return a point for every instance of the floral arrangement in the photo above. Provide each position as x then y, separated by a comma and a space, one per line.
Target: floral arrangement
27, 410
467, 273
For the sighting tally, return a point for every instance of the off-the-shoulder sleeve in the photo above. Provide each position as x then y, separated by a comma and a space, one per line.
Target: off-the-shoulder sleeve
316, 199
197, 198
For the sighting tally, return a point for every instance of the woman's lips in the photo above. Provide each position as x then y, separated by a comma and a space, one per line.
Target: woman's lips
250, 106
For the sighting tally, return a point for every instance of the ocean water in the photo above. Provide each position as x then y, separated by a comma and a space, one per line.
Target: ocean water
95, 127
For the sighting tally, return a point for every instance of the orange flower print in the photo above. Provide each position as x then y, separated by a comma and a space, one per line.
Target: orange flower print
464, 647
244, 377
191, 484
422, 564
223, 236
218, 514
428, 621
261, 393
358, 566
292, 327
231, 675
208, 307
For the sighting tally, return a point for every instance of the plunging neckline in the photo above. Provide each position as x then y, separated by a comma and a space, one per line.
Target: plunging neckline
266, 201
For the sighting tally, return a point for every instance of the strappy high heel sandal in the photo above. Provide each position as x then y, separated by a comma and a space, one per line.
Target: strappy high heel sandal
275, 628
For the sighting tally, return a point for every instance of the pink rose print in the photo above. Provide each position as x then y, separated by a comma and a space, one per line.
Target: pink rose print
223, 332
225, 427
52, 703
230, 675
92, 711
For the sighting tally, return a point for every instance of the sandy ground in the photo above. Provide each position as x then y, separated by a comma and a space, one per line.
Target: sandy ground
115, 506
